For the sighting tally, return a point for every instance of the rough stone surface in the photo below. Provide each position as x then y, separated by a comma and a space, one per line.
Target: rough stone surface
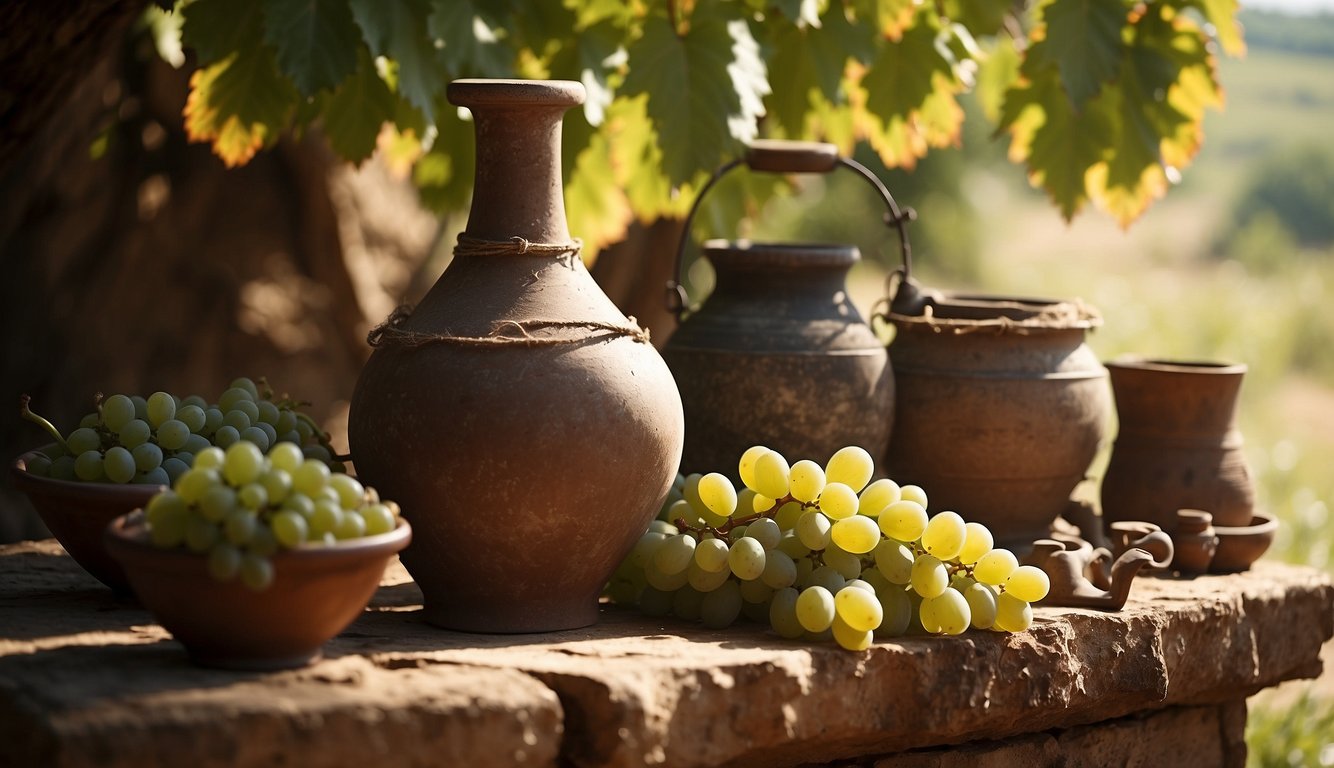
1208, 735
86, 680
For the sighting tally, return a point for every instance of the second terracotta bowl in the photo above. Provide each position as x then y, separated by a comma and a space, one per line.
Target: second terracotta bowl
1240, 546
317, 591
77, 513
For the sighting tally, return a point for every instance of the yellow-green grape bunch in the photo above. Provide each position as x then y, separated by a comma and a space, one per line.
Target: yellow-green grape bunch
822, 551
154, 440
239, 507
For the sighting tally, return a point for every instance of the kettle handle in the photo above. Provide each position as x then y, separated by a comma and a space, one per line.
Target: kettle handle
780, 156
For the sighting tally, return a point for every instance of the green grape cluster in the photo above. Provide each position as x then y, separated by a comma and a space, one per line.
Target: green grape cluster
154, 440
822, 551
239, 507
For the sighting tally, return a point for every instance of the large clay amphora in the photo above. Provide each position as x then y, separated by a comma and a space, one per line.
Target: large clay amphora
777, 355
1000, 409
525, 425
1177, 444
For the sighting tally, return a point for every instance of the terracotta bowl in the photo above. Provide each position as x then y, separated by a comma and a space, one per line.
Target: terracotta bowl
77, 514
1239, 546
316, 593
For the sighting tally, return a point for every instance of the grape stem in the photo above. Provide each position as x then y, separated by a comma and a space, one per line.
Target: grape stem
27, 413
735, 522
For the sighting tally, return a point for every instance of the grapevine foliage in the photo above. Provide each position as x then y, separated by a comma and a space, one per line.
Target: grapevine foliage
1102, 100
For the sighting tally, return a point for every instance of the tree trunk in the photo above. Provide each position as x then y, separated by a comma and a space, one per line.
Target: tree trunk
635, 271
153, 267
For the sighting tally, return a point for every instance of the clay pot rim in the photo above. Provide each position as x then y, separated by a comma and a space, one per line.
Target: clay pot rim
766, 254
965, 313
126, 539
526, 94
1261, 524
77, 490
1199, 367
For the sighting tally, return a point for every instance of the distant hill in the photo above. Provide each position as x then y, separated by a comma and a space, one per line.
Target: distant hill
1311, 35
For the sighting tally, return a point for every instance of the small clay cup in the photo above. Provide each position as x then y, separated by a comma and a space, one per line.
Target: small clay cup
77, 513
317, 591
1240, 546
1194, 540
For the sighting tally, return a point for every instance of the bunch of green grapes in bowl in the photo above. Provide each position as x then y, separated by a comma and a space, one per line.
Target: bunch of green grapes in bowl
254, 561
130, 447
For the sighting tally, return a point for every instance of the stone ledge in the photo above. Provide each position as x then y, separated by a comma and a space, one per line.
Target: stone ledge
1209, 735
87, 680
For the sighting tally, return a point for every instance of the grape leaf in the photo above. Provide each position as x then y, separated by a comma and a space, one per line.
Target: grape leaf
888, 17
1146, 122
237, 143
940, 118
250, 87
587, 57
804, 13
834, 123
1082, 40
216, 29
598, 211
356, 111
217, 108
704, 89
444, 175
999, 70
903, 74
810, 62
1222, 16
637, 159
980, 17
316, 41
590, 12
397, 30
1059, 144
471, 33
903, 80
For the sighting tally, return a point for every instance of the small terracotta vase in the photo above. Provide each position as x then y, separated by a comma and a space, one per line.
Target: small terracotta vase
1177, 446
526, 427
1194, 540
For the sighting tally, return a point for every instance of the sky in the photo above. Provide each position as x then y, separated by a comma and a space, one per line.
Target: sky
1291, 6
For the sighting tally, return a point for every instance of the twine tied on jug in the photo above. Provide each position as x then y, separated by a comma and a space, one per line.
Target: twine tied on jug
504, 332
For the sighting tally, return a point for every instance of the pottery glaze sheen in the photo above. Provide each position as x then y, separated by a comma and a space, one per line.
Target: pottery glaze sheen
525, 426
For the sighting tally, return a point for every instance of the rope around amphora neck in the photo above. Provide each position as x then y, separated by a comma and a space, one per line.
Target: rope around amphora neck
391, 332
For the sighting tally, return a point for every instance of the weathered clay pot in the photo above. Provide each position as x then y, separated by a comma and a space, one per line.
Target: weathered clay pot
1177, 445
525, 426
778, 356
1000, 407
317, 591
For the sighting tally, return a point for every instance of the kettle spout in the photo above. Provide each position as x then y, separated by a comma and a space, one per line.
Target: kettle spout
911, 297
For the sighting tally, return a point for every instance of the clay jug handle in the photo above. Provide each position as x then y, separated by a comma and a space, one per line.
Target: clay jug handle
774, 156
778, 156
